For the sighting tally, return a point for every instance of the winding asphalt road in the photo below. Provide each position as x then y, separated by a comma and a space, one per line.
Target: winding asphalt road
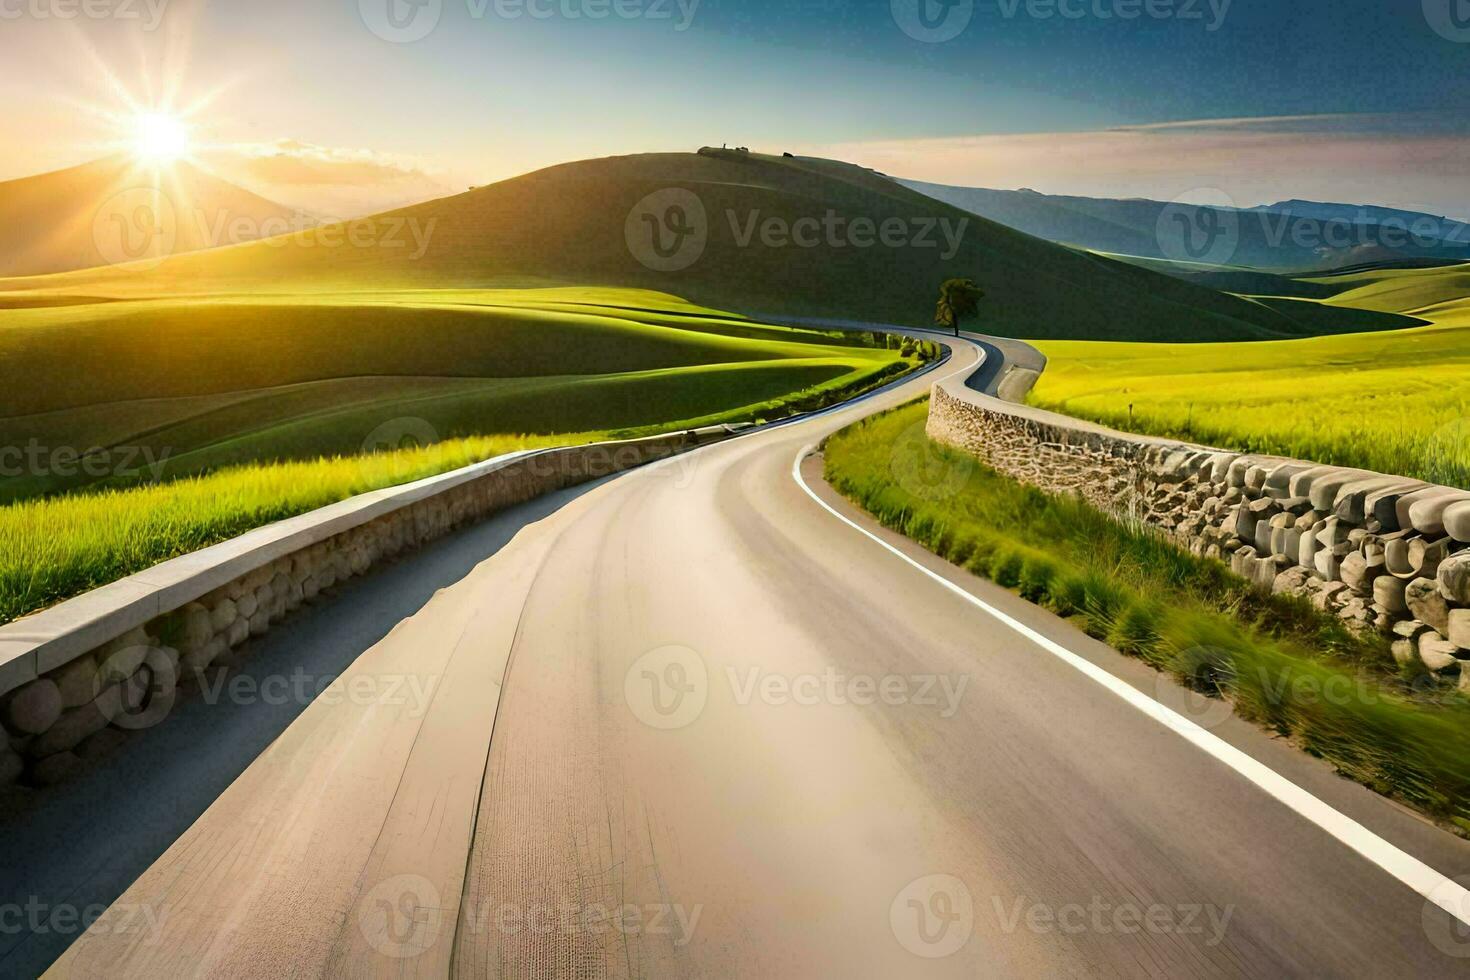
693, 724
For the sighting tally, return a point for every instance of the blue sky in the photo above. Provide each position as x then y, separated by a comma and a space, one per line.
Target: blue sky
493, 90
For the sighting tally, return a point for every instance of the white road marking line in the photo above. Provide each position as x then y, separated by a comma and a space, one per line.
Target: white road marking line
1433, 886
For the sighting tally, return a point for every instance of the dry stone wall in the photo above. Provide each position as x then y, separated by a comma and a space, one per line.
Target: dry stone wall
81, 708
1381, 552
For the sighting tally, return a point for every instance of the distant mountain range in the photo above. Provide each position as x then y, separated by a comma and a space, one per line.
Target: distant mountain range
1291, 236
115, 210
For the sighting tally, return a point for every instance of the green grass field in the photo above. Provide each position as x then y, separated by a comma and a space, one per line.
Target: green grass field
185, 386
161, 426
1281, 663
56, 548
1396, 402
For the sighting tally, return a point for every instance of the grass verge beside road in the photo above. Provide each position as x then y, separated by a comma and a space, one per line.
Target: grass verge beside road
1281, 663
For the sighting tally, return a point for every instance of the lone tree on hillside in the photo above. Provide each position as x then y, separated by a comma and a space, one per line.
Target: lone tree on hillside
958, 298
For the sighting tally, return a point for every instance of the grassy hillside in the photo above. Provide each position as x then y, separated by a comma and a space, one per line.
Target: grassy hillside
1394, 402
186, 386
233, 412
115, 210
569, 225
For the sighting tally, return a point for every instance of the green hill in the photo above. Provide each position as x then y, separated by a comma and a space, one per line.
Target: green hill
196, 384
115, 210
569, 225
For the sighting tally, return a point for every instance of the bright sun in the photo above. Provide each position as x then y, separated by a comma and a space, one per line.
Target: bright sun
159, 138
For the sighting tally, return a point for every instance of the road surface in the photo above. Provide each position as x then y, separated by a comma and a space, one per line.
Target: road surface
690, 724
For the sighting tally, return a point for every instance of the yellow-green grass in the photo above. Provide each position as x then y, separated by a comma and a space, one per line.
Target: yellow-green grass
52, 549
1394, 402
1400, 290
185, 385
1283, 664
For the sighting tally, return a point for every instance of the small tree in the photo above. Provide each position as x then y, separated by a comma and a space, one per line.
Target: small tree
958, 298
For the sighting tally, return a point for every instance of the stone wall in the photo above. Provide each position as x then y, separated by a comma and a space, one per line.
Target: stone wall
1381, 552
125, 677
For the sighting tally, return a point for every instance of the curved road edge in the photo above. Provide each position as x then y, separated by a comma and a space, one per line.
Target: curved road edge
1430, 884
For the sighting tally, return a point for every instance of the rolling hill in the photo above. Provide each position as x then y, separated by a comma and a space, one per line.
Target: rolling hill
115, 210
796, 236
1290, 235
120, 392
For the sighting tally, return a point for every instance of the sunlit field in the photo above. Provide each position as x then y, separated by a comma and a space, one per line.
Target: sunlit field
1396, 402
186, 386
232, 412
52, 549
